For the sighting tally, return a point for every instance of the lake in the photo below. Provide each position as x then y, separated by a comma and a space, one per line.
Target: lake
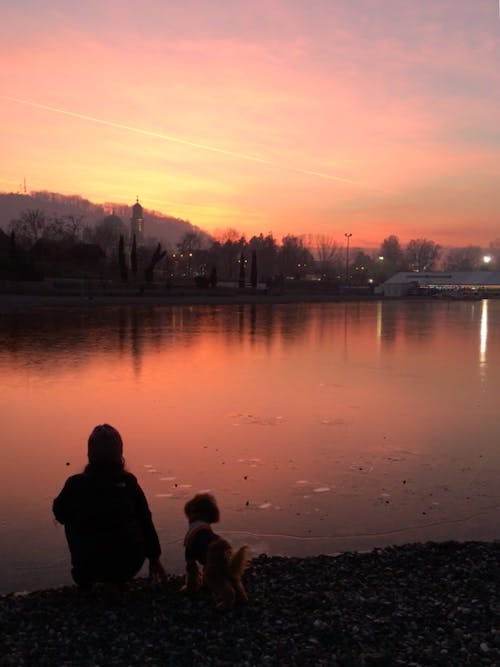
320, 428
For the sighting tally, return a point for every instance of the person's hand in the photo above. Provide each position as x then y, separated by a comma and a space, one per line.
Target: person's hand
157, 574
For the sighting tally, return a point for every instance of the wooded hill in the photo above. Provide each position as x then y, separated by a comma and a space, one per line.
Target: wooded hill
166, 229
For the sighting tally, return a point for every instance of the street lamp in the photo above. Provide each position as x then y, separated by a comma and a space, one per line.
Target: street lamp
348, 236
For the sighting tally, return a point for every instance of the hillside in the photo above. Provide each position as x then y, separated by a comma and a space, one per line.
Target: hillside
166, 229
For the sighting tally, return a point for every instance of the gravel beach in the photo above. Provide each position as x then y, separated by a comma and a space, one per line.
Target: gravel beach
417, 604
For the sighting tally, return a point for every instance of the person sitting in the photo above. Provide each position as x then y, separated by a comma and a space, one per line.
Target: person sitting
106, 517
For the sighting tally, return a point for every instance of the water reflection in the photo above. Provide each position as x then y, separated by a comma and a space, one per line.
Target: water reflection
483, 338
320, 428
137, 331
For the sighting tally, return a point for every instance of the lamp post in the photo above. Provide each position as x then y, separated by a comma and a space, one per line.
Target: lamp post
348, 236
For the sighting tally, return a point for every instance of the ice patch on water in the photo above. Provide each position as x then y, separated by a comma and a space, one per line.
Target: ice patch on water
249, 418
264, 506
321, 489
252, 463
167, 479
164, 495
332, 421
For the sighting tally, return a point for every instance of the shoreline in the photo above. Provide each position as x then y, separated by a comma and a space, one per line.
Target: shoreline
175, 297
417, 604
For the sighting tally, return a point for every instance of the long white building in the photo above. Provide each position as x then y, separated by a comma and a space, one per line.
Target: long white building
474, 283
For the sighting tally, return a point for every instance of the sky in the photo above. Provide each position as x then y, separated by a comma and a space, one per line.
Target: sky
322, 117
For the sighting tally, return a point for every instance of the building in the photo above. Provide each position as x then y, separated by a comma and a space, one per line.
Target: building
442, 283
137, 223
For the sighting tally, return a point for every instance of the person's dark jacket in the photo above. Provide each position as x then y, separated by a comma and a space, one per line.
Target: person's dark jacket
105, 510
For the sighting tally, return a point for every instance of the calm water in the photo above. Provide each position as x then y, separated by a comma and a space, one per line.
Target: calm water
320, 428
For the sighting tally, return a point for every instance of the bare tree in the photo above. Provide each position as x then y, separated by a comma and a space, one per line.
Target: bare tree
328, 252
29, 227
422, 254
469, 258
228, 234
494, 251
189, 252
64, 228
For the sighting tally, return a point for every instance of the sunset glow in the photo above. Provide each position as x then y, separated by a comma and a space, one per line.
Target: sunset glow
288, 116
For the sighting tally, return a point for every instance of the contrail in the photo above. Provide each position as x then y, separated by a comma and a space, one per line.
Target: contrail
185, 142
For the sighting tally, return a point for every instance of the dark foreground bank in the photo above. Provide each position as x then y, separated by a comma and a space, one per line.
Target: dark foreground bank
419, 604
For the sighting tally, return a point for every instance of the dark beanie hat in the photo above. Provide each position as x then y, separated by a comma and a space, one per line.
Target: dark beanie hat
105, 445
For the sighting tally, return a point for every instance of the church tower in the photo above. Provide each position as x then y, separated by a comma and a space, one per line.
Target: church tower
137, 223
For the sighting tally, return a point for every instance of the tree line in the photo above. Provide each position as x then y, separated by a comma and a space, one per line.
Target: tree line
62, 245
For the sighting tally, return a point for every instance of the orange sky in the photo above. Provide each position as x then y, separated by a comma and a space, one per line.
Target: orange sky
373, 117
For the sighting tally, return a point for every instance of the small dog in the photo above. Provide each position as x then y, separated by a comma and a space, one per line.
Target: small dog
222, 568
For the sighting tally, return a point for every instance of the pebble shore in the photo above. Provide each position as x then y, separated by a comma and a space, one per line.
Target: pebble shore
419, 604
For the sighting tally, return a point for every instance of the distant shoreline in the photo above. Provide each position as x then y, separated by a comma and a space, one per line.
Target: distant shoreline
175, 297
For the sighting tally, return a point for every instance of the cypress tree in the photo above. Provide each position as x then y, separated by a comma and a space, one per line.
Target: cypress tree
253, 270
133, 257
121, 260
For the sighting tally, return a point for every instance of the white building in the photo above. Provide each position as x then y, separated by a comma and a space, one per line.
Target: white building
449, 283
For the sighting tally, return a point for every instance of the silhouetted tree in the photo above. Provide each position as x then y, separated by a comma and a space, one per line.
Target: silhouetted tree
253, 270
469, 258
63, 228
267, 252
329, 254
213, 277
133, 257
228, 234
422, 254
29, 227
13, 249
390, 258
294, 259
122, 261
362, 268
225, 256
241, 281
494, 251
189, 251
158, 255
107, 234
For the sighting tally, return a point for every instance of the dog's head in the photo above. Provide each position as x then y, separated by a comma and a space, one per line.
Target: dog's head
203, 507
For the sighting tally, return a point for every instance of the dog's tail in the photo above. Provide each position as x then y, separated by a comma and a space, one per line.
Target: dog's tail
239, 562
